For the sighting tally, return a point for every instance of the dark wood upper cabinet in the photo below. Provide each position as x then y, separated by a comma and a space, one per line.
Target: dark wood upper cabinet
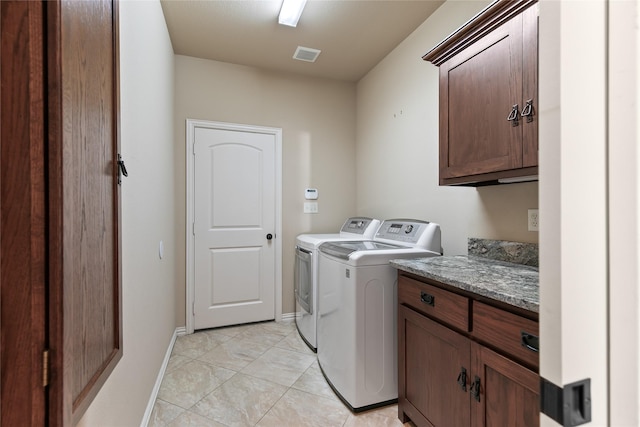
488, 96
61, 289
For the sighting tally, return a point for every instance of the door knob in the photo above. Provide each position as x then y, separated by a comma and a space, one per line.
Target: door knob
269, 236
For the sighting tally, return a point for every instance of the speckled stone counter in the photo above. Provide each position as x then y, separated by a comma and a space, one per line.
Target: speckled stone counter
510, 283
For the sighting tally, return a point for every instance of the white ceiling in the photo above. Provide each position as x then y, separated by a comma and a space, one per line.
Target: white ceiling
353, 35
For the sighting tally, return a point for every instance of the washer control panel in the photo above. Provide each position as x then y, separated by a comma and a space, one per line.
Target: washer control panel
411, 232
403, 231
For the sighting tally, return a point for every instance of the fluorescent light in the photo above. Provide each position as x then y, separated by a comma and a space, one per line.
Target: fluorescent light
290, 12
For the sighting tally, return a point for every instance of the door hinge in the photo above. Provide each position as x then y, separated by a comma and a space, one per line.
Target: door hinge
193, 228
45, 368
193, 308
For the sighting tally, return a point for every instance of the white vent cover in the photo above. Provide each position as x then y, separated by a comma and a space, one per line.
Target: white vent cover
306, 54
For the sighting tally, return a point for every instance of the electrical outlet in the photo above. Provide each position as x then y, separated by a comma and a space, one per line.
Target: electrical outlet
534, 219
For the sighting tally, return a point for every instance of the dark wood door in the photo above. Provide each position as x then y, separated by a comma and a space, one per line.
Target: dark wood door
530, 86
479, 88
86, 303
60, 269
23, 212
430, 360
509, 392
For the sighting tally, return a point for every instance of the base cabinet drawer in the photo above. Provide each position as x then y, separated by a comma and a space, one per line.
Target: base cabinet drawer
508, 332
435, 302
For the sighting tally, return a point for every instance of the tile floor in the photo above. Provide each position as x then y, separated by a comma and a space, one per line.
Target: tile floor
252, 375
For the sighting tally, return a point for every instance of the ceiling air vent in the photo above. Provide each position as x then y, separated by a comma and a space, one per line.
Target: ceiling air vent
306, 54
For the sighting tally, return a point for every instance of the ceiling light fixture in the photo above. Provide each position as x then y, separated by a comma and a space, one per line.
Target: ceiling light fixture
290, 12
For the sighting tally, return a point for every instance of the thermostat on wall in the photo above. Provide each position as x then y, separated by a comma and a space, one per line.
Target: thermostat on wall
311, 193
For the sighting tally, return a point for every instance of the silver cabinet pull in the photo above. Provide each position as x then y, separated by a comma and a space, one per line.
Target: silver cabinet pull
513, 115
527, 111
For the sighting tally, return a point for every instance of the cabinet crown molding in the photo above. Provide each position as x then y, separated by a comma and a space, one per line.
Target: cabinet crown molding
494, 15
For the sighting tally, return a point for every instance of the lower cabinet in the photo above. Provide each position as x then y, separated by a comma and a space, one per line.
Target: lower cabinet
447, 378
508, 392
432, 383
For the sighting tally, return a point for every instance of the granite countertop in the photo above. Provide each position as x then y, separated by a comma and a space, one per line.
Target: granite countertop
502, 281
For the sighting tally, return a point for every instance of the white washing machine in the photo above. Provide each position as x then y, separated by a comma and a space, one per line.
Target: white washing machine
306, 271
357, 336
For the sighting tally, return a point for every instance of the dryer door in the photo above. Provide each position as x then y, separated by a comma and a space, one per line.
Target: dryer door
303, 280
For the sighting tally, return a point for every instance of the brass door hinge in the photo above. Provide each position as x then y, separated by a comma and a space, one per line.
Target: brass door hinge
45, 368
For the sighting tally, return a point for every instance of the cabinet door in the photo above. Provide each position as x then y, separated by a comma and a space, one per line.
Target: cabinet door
509, 394
430, 359
85, 295
22, 215
530, 86
478, 89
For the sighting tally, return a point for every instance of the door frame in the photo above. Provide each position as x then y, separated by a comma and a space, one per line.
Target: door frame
191, 125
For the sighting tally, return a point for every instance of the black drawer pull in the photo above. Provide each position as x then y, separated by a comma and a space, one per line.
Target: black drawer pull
475, 389
532, 342
462, 379
428, 299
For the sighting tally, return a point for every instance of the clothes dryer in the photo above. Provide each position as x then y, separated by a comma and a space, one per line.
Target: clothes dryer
306, 271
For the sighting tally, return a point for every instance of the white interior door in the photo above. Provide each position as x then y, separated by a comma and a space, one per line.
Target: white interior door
234, 227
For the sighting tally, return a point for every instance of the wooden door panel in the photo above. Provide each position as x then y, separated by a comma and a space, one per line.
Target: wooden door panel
530, 85
22, 213
432, 358
510, 393
483, 83
88, 190
86, 332
60, 212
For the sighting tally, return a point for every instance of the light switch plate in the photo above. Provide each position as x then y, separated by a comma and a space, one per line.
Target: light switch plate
311, 207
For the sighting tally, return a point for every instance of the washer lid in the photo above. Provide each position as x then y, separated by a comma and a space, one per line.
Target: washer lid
342, 250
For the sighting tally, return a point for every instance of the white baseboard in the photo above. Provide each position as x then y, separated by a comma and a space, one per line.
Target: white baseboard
156, 388
288, 316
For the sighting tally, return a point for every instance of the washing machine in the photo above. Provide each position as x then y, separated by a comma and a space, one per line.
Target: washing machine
306, 271
357, 321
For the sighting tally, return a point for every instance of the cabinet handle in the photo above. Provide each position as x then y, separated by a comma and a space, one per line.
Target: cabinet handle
513, 115
475, 388
122, 170
530, 341
428, 299
527, 111
462, 378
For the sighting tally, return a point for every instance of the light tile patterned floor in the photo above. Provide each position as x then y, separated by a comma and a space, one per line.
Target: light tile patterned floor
252, 375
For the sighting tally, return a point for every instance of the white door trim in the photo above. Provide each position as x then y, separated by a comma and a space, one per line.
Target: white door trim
190, 241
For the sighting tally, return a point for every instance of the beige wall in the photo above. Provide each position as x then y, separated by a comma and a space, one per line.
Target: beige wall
146, 60
317, 118
397, 147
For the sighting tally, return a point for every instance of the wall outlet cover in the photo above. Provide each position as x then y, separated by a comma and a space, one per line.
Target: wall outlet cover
533, 220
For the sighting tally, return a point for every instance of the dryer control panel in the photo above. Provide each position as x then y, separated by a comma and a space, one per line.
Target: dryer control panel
363, 226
